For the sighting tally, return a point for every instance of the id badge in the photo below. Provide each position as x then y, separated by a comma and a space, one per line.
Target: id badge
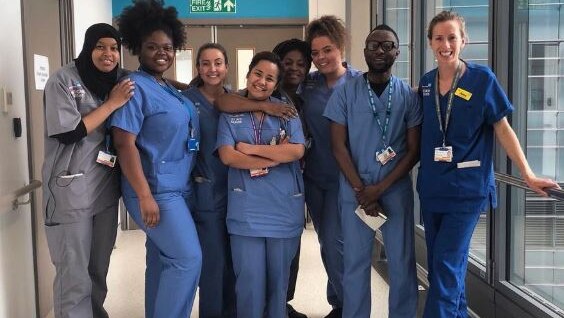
443, 154
193, 145
107, 159
258, 172
385, 155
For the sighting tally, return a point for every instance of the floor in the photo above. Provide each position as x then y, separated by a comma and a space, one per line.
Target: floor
126, 280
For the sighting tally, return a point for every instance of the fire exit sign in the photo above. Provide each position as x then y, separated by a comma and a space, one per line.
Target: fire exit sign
213, 6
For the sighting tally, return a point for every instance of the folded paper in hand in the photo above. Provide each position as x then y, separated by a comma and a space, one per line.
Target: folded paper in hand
374, 222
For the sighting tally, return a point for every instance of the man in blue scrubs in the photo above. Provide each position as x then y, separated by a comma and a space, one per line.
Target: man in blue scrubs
375, 133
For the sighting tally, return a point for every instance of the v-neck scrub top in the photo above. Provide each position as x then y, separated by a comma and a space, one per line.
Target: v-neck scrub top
161, 121
444, 186
270, 205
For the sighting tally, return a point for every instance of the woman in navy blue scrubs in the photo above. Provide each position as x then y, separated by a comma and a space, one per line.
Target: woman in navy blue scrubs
217, 282
464, 106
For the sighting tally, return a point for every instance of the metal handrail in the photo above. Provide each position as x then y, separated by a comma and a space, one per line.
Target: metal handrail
12, 198
554, 193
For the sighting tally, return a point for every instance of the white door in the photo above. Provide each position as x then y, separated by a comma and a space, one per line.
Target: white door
17, 284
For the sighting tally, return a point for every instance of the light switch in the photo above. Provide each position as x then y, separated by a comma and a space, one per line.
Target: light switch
3, 100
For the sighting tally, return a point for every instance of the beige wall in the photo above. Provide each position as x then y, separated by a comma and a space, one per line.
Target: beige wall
357, 21
86, 13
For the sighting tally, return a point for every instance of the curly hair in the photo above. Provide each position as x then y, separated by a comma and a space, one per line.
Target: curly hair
284, 47
329, 26
140, 20
270, 57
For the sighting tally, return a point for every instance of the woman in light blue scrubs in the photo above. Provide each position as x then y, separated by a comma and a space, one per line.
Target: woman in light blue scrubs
327, 38
156, 137
464, 106
265, 194
217, 281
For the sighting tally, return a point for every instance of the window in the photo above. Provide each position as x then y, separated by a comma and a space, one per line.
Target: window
537, 223
397, 14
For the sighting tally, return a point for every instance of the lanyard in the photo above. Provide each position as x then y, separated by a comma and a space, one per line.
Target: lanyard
388, 109
449, 103
256, 131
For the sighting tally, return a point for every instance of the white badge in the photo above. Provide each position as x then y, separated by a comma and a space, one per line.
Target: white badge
106, 159
443, 154
258, 172
385, 155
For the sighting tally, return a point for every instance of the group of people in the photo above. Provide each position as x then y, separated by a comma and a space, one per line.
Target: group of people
219, 180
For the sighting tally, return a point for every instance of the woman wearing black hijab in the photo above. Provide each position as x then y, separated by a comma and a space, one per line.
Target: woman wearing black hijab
81, 184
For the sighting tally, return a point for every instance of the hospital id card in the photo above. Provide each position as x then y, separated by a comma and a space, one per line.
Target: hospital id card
443, 154
385, 155
258, 172
107, 159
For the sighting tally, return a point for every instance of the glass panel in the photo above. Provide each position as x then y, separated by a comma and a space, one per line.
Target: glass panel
183, 66
537, 223
398, 17
244, 57
478, 245
537, 246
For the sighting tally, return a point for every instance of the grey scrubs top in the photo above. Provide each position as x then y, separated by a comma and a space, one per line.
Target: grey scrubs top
75, 185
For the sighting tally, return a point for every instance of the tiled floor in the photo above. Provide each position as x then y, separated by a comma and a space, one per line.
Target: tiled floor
126, 280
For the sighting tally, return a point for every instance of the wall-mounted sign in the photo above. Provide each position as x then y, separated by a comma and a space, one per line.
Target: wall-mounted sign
225, 10
40, 70
213, 6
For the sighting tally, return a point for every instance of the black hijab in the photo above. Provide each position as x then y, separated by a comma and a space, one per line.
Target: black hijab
97, 82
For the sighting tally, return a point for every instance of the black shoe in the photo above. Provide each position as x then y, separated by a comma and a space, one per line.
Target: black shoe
335, 313
292, 313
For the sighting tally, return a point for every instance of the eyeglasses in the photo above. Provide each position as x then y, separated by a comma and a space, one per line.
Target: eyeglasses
385, 45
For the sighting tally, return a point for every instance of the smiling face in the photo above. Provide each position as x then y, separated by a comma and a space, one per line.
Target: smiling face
377, 59
294, 68
262, 80
105, 55
157, 53
447, 42
212, 67
326, 55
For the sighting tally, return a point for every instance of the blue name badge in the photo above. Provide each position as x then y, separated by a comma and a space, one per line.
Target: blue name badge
193, 145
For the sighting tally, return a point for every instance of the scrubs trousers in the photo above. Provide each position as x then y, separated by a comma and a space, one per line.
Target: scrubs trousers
448, 238
398, 233
217, 281
81, 253
262, 268
324, 210
174, 258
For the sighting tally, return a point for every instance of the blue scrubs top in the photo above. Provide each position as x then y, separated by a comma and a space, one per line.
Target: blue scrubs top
349, 106
210, 174
161, 118
271, 205
320, 164
442, 186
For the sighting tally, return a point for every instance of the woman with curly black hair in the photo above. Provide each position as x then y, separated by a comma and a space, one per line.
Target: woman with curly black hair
156, 136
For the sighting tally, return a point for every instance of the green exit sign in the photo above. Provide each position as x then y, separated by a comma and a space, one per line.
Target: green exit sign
213, 6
